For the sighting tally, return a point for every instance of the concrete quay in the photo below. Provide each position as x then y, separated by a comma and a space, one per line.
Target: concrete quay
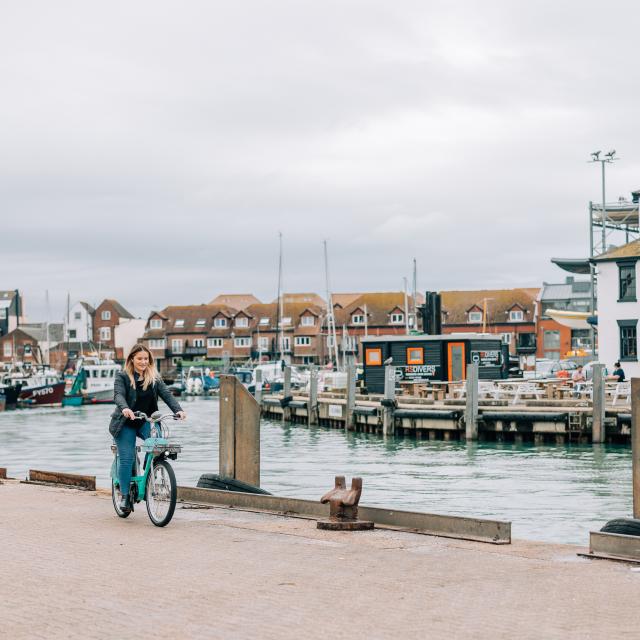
72, 569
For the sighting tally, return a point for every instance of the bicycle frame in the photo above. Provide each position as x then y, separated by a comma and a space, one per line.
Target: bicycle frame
153, 447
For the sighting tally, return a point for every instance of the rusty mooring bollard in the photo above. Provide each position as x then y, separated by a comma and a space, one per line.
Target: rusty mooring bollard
343, 507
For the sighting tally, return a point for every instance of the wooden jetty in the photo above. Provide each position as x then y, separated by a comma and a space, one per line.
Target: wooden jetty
550, 412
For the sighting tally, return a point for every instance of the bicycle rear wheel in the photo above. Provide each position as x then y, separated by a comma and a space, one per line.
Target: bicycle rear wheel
161, 493
116, 496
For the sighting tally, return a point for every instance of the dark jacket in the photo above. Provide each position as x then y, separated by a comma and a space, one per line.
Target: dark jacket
124, 395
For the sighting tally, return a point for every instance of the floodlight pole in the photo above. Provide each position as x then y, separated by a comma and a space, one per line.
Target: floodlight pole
608, 158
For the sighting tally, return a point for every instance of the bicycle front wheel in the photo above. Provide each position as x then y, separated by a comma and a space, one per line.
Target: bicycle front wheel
161, 493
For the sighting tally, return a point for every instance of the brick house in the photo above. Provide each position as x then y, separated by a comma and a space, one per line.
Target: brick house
511, 313
180, 334
557, 341
19, 346
108, 315
367, 314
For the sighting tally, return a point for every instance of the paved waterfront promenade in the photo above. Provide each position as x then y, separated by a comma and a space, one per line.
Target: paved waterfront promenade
71, 569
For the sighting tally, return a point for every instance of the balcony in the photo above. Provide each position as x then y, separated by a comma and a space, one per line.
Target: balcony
195, 351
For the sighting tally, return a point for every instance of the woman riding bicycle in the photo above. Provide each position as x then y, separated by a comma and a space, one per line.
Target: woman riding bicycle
136, 388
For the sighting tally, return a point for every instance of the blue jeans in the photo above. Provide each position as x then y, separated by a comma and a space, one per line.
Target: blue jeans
126, 443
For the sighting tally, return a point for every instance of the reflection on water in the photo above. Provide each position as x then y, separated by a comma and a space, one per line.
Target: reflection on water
553, 493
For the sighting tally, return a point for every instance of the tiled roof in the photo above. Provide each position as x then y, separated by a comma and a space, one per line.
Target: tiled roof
191, 314
305, 298
120, 310
290, 310
236, 301
455, 304
565, 291
379, 307
88, 307
630, 250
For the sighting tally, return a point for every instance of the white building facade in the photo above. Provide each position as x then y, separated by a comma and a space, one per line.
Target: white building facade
619, 308
80, 323
128, 333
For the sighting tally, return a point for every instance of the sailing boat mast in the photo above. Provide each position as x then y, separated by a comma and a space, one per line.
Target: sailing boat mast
331, 321
415, 294
279, 309
47, 359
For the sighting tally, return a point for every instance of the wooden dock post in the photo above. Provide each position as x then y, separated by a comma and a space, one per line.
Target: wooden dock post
286, 394
388, 422
635, 444
239, 432
312, 406
351, 396
471, 409
258, 392
598, 403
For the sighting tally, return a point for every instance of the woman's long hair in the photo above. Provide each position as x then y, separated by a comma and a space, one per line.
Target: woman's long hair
151, 374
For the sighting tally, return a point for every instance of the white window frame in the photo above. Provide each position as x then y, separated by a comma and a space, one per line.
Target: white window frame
475, 317
177, 345
307, 321
219, 323
155, 323
106, 315
302, 341
516, 315
7, 349
201, 322
264, 322
198, 342
179, 323
214, 343
157, 344
242, 322
285, 320
242, 343
77, 315
263, 343
285, 343
357, 318
397, 318
105, 333
507, 338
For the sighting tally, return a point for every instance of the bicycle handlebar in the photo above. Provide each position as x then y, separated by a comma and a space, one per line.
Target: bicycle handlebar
154, 418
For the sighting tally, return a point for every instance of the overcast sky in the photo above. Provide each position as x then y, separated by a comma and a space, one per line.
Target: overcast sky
151, 151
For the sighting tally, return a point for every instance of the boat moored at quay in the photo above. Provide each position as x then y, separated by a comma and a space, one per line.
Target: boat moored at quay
31, 386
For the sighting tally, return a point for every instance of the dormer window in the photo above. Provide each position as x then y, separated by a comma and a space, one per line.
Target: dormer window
155, 324
307, 321
201, 322
242, 321
358, 318
286, 320
516, 315
475, 317
264, 322
219, 323
178, 324
396, 318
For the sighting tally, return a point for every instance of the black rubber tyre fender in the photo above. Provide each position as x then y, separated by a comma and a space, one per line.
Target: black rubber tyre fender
625, 526
215, 481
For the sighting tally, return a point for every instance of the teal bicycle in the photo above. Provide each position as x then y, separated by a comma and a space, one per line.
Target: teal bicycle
154, 481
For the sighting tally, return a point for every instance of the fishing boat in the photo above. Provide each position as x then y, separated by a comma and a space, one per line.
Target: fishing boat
91, 382
41, 387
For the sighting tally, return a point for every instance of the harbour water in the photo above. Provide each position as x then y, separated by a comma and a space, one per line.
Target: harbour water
549, 493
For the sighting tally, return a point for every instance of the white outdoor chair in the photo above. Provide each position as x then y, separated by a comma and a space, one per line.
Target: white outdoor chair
527, 389
622, 390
